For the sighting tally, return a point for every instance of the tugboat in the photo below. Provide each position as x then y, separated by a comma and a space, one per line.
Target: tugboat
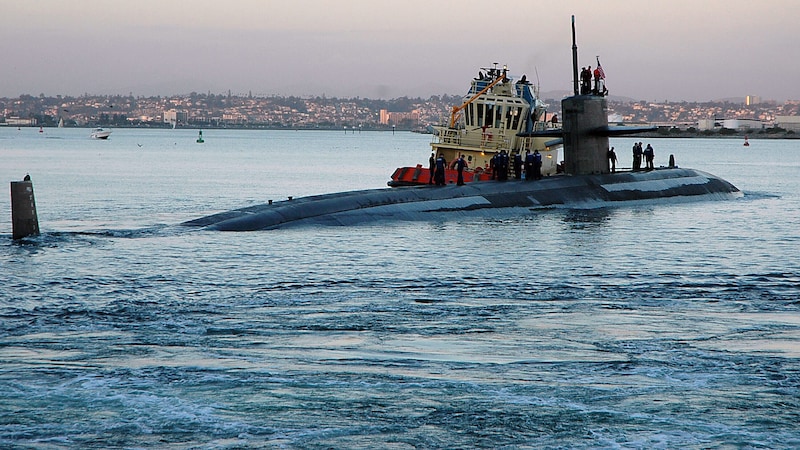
492, 119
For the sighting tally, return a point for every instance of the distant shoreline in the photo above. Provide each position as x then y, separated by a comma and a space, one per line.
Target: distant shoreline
740, 135
661, 133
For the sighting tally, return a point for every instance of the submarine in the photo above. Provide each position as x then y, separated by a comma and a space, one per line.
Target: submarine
499, 120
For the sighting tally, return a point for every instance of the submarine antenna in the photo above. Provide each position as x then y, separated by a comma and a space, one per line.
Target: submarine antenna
574, 59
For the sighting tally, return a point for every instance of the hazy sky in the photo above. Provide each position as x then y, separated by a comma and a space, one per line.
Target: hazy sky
694, 50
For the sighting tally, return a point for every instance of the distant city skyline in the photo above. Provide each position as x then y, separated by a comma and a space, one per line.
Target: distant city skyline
657, 50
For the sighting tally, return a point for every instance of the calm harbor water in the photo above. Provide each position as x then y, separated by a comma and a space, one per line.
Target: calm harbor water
639, 326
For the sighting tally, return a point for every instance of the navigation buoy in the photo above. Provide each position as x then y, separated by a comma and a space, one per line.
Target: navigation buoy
200, 137
24, 221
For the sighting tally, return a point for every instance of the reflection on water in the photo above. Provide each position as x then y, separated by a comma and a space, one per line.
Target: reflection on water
582, 218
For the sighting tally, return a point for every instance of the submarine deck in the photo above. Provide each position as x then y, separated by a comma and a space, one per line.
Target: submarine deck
418, 202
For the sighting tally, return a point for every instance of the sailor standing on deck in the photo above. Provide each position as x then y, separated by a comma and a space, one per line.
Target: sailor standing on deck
441, 163
502, 165
649, 154
528, 166
517, 166
537, 165
612, 159
431, 167
637, 156
460, 165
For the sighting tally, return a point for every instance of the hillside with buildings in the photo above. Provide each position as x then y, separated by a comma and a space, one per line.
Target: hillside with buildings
246, 111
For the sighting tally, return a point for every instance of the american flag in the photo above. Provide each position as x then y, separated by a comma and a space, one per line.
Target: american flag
600, 69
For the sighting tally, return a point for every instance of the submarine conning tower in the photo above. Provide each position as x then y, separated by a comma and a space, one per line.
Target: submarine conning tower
585, 150
584, 125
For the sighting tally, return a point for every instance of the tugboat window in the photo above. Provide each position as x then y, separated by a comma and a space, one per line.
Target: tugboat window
517, 113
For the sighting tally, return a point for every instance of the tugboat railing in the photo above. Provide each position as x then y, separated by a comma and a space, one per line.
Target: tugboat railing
494, 139
449, 136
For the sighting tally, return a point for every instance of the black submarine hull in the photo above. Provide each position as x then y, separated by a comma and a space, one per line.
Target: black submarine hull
478, 198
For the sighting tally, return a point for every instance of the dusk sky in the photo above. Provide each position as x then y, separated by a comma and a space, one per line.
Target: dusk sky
676, 50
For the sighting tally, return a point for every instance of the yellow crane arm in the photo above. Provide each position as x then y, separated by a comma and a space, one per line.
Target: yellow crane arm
457, 109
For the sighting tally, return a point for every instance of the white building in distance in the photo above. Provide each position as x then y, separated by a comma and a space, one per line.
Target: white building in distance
788, 122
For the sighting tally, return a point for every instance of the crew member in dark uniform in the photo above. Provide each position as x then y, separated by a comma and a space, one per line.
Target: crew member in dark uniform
612, 159
517, 166
637, 156
502, 166
441, 163
431, 167
528, 166
649, 154
460, 165
493, 166
537, 165
586, 80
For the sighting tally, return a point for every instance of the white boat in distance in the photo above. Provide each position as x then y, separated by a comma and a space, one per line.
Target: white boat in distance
99, 133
